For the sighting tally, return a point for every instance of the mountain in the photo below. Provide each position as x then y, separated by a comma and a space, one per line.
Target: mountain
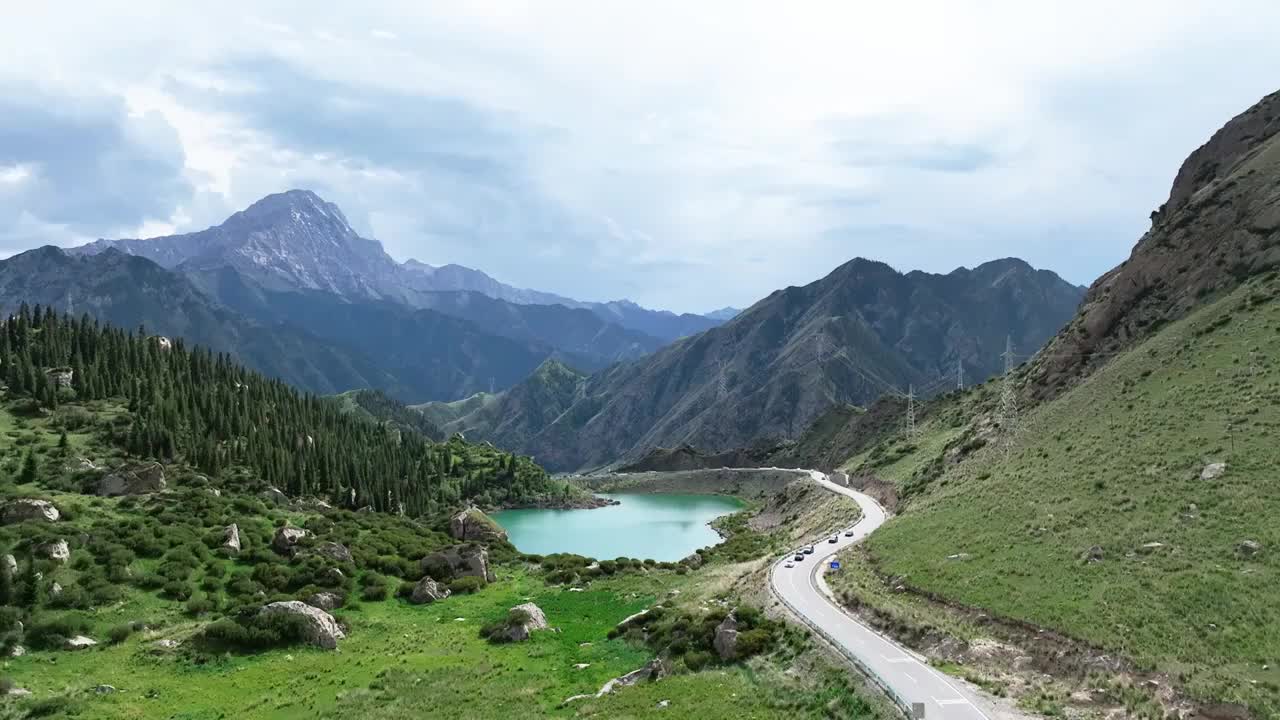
724, 314
862, 331
313, 340
1126, 503
296, 241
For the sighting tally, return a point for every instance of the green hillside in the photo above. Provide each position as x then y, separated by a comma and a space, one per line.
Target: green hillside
1122, 462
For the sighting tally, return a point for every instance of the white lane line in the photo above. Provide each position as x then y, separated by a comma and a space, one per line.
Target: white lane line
952, 701
909, 677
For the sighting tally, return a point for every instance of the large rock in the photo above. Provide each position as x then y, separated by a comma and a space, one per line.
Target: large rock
1213, 471
428, 591
22, 509
1093, 555
459, 561
536, 620
286, 539
9, 565
322, 630
472, 524
56, 550
79, 642
334, 551
60, 376
1249, 548
137, 479
231, 538
274, 497
325, 601
726, 639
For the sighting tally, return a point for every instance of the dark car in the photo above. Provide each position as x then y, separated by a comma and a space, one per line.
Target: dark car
848, 533
808, 550
834, 538
799, 557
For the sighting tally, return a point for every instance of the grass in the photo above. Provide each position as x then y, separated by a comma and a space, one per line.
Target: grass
1116, 462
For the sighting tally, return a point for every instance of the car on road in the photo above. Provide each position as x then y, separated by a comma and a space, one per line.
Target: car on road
834, 539
799, 557
848, 533
790, 564
808, 550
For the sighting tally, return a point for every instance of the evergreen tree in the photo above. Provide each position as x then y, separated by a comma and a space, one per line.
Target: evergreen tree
30, 468
29, 594
6, 586
63, 442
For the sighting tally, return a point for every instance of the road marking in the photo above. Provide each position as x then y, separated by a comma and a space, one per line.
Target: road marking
952, 701
909, 677
898, 659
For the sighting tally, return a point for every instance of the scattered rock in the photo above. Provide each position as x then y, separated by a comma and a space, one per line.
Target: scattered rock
1151, 547
311, 505
959, 556
1093, 555
9, 564
22, 509
56, 550
165, 644
19, 692
726, 639
17, 651
632, 618
274, 496
662, 704
79, 642
1213, 471
652, 671
325, 601
536, 620
163, 342
323, 630
472, 524
287, 538
336, 552
581, 666
459, 561
1249, 548
104, 689
693, 561
137, 479
55, 590
213, 491
231, 538
428, 591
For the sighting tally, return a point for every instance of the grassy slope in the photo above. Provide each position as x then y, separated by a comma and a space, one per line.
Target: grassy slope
399, 660
1116, 463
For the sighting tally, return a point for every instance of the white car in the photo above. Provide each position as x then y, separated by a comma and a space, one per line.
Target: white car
790, 564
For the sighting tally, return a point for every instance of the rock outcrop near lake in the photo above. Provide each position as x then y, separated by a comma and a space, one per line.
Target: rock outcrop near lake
473, 525
322, 630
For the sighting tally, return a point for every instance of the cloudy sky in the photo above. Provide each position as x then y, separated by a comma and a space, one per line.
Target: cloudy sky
686, 155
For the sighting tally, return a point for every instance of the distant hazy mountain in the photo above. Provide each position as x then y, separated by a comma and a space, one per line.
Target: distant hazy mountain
297, 241
724, 314
772, 370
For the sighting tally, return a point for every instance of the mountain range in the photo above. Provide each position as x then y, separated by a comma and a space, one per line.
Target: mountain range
296, 241
863, 331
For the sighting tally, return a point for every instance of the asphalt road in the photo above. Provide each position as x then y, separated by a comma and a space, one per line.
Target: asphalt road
902, 674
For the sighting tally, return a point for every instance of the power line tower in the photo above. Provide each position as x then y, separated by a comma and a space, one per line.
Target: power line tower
1008, 399
722, 382
911, 412
959, 374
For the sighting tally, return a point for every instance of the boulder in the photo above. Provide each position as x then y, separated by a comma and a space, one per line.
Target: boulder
56, 550
273, 496
459, 561
334, 551
79, 642
693, 561
627, 621
9, 564
322, 629
19, 692
653, 671
23, 509
1213, 471
286, 539
104, 689
165, 645
1151, 547
55, 590
1249, 548
325, 601
428, 591
726, 638
17, 651
472, 524
231, 538
536, 620
137, 479
1093, 555
163, 342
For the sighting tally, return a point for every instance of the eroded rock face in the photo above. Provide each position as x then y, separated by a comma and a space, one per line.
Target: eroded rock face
726, 639
322, 630
325, 601
138, 479
334, 551
57, 551
537, 620
472, 524
23, 509
231, 538
459, 561
286, 539
428, 591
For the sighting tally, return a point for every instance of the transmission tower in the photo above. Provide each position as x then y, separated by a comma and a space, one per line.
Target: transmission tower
911, 412
1008, 400
722, 382
959, 374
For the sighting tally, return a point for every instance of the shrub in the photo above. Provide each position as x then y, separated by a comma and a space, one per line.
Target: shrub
120, 633
255, 633
201, 605
52, 633
374, 593
466, 585
496, 631
697, 660
177, 590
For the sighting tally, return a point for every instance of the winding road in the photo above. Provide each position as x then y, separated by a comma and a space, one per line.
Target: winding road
803, 589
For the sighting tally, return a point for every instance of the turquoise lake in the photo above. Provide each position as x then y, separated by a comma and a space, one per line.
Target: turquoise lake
664, 527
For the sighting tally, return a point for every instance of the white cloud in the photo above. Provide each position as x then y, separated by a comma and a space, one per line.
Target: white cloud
691, 155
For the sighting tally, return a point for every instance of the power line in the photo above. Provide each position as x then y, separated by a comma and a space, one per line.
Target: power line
1008, 399
959, 374
911, 412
